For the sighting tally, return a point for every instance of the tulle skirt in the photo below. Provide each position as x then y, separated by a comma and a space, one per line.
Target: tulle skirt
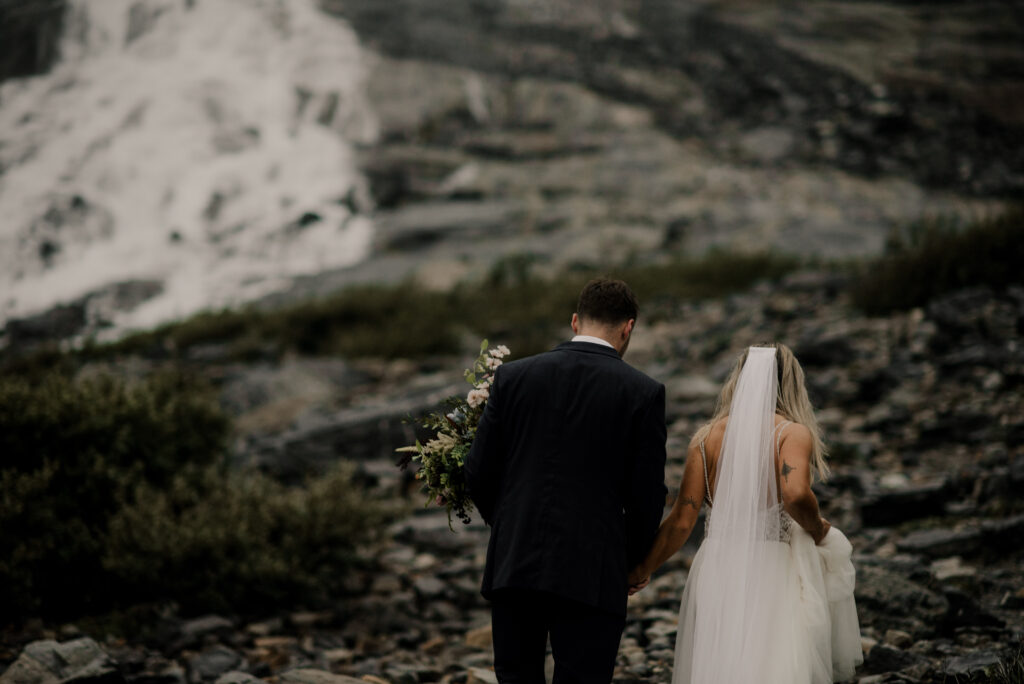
808, 629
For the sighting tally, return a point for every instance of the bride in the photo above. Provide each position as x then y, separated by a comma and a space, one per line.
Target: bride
769, 597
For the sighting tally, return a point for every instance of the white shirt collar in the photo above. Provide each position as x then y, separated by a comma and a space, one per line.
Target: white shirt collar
592, 340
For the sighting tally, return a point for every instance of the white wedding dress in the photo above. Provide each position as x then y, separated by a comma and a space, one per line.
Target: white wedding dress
762, 602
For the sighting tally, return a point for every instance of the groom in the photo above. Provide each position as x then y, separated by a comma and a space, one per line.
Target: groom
568, 469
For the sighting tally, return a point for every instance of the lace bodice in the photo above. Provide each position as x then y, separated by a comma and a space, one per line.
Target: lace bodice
783, 531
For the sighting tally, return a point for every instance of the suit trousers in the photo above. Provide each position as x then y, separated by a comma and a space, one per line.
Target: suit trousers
584, 639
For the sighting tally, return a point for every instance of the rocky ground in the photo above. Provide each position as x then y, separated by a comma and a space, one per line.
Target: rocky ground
570, 131
923, 412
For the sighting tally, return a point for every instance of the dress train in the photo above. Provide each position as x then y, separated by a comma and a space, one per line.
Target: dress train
809, 632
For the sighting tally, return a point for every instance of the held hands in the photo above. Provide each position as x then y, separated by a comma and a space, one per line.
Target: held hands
637, 580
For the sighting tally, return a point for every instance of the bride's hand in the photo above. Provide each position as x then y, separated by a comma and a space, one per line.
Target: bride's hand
825, 527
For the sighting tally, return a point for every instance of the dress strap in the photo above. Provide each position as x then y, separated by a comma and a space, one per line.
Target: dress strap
707, 484
778, 435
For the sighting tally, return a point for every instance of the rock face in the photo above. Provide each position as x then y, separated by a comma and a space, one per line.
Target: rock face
766, 84
582, 132
571, 131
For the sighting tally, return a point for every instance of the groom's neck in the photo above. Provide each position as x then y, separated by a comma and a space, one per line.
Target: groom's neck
600, 332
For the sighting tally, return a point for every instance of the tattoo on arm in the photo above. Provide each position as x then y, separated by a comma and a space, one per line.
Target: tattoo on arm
690, 501
786, 470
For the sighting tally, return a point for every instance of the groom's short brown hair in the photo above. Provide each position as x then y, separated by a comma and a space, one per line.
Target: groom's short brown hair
607, 301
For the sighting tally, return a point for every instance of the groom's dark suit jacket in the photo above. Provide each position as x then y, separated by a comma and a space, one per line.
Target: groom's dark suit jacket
568, 469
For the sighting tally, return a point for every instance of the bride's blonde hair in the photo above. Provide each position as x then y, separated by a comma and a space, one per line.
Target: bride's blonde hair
792, 402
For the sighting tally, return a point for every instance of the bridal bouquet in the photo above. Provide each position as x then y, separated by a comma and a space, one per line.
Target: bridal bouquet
441, 459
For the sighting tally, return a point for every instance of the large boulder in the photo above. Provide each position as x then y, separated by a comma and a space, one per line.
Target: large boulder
987, 536
889, 599
80, 661
893, 506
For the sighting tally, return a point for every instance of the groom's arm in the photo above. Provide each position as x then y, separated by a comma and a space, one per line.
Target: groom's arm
645, 495
485, 458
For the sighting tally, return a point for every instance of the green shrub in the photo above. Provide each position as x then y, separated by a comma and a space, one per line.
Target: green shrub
70, 451
530, 313
512, 303
114, 492
934, 256
242, 542
392, 322
385, 321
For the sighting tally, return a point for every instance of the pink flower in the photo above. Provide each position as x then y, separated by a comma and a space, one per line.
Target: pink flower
476, 397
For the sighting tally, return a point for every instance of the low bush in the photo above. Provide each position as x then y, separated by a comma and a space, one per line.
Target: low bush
70, 451
934, 256
385, 321
513, 304
241, 543
114, 492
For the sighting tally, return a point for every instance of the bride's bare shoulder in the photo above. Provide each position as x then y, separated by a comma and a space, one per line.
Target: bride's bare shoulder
709, 433
796, 435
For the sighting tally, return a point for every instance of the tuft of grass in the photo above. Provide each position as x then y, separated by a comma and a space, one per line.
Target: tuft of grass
1009, 671
934, 256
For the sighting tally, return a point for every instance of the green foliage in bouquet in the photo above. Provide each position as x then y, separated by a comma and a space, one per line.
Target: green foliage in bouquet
442, 458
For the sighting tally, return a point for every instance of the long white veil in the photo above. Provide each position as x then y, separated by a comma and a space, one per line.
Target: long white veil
739, 577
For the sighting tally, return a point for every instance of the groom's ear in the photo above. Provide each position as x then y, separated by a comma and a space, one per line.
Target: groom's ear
627, 330
575, 324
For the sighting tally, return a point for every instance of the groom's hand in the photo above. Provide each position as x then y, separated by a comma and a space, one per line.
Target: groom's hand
637, 580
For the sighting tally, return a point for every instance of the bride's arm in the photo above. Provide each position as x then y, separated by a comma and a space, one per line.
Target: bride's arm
678, 524
795, 481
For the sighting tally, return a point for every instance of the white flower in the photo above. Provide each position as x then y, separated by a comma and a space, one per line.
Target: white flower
493, 363
499, 352
478, 396
485, 382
